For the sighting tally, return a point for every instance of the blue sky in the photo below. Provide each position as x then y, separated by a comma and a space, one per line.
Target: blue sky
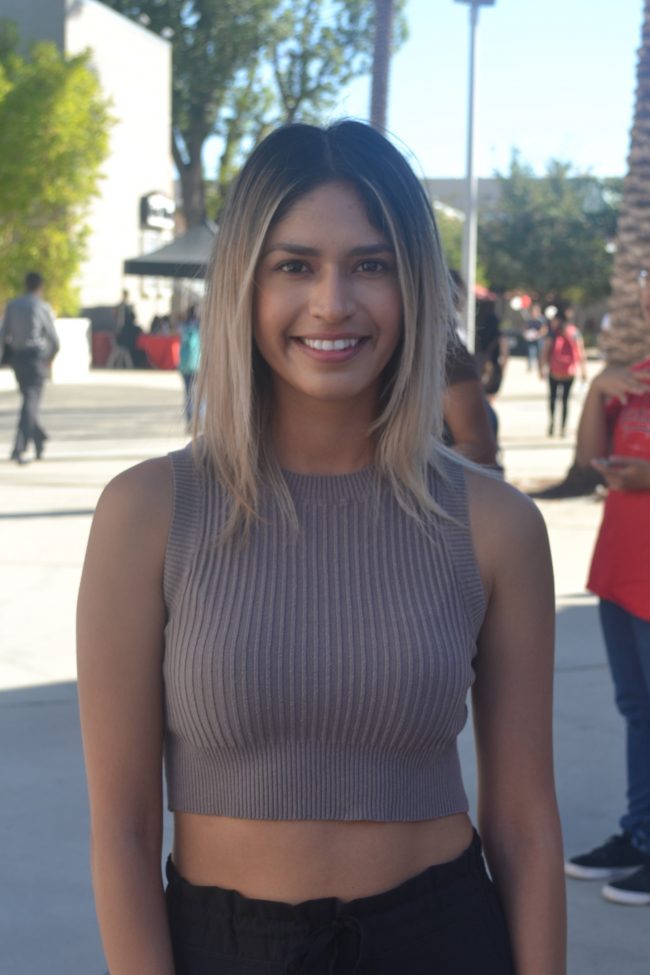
555, 79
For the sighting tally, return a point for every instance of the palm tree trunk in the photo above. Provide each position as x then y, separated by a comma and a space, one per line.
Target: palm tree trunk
628, 339
384, 15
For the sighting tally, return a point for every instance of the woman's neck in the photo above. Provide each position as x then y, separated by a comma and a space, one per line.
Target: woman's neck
323, 438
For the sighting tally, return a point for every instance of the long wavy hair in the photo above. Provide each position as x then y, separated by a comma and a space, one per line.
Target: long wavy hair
233, 386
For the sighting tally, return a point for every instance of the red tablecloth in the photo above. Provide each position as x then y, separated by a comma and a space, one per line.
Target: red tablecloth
162, 351
102, 344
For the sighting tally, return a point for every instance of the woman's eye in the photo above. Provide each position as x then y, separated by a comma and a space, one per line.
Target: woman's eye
372, 267
292, 267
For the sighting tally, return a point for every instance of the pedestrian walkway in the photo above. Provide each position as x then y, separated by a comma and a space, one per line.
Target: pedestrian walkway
114, 419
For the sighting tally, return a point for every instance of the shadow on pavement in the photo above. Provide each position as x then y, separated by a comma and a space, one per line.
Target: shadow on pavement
48, 922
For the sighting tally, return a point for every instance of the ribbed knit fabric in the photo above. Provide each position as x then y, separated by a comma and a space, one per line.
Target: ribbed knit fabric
323, 674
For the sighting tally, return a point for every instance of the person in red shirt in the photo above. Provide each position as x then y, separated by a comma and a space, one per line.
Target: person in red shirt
614, 437
563, 355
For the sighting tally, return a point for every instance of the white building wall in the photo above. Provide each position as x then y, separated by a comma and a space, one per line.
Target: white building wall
134, 69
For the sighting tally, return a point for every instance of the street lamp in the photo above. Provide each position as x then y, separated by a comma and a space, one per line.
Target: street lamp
471, 183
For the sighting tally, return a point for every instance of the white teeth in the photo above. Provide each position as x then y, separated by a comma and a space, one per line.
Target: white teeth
331, 345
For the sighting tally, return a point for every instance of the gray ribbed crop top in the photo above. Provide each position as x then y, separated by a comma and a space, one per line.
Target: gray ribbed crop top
320, 674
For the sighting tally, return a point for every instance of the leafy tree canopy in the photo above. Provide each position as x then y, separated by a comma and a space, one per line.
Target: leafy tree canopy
549, 235
240, 67
53, 139
451, 237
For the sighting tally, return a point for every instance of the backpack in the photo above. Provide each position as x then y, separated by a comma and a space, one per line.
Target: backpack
564, 354
190, 351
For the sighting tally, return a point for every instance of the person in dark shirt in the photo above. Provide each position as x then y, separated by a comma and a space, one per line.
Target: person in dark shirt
28, 332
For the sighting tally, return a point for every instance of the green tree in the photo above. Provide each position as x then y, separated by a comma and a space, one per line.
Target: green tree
241, 67
313, 49
214, 43
54, 127
549, 235
450, 229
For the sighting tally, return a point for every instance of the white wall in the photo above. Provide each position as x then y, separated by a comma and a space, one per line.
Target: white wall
72, 364
134, 68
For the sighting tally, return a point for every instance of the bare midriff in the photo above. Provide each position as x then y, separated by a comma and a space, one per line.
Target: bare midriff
294, 861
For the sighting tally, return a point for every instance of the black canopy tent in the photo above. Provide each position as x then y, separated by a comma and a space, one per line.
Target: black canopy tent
185, 257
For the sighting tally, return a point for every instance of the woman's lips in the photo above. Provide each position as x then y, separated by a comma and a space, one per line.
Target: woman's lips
331, 350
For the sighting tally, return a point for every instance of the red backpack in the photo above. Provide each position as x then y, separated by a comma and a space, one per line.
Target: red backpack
565, 354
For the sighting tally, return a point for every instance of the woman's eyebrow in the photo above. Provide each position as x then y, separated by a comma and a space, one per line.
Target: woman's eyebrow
362, 250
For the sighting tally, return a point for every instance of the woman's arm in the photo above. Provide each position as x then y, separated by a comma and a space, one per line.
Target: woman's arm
120, 623
512, 698
613, 382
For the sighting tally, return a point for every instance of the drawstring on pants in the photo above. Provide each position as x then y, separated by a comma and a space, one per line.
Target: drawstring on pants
310, 955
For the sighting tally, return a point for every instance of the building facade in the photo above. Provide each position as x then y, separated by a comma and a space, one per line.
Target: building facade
134, 69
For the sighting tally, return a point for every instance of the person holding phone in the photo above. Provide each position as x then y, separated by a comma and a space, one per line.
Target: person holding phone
614, 437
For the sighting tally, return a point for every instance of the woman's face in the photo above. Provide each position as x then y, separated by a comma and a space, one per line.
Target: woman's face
328, 308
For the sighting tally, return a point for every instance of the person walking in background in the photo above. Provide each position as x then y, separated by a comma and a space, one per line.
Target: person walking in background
124, 312
535, 331
563, 356
29, 332
189, 358
306, 595
614, 436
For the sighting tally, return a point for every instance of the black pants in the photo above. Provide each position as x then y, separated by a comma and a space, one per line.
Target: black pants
445, 921
565, 385
30, 370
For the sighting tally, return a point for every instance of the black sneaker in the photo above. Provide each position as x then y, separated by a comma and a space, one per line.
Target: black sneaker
633, 890
615, 858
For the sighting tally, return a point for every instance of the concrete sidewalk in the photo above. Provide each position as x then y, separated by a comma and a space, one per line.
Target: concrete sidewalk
47, 922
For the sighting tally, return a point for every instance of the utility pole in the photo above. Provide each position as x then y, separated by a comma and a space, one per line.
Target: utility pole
383, 43
471, 182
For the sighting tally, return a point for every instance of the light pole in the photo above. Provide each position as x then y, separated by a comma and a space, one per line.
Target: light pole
471, 182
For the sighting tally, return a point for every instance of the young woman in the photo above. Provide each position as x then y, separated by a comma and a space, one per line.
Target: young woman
305, 596
563, 356
614, 436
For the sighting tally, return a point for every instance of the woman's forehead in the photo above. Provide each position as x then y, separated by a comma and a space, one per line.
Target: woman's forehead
335, 206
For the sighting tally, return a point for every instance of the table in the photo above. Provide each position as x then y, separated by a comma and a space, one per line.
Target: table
162, 351
102, 346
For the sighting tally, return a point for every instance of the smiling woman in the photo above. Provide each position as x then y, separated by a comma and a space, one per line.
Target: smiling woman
308, 592
392, 243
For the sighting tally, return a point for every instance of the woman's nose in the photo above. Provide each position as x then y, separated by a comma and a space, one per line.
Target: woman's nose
332, 298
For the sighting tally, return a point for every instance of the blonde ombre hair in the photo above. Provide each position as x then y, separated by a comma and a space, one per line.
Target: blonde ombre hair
233, 385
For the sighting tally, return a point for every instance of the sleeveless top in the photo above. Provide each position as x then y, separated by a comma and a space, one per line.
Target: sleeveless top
319, 674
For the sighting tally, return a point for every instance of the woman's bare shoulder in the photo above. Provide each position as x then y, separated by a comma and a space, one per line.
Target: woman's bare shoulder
150, 479
505, 524
490, 493
138, 502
